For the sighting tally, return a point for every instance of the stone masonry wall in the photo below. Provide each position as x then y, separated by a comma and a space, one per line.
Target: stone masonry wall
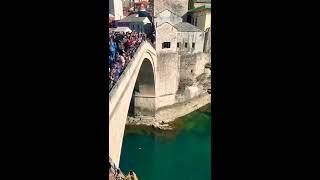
167, 16
193, 65
168, 76
177, 77
207, 41
166, 33
189, 38
180, 7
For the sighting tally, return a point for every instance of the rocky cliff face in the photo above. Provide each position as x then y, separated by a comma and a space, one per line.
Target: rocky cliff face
192, 87
195, 75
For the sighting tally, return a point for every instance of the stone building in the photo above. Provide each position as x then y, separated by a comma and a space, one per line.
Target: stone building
201, 16
166, 35
180, 7
127, 3
115, 8
138, 24
197, 3
207, 41
190, 39
181, 58
166, 16
173, 35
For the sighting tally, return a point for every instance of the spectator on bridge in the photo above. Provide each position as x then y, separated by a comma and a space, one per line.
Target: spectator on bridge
131, 176
123, 61
112, 49
122, 47
117, 175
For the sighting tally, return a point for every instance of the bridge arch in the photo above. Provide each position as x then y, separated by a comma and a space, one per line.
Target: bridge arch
140, 76
144, 90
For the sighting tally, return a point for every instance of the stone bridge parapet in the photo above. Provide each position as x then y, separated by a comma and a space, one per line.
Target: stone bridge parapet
144, 60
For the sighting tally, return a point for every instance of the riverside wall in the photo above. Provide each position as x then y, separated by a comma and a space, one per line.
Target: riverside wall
183, 83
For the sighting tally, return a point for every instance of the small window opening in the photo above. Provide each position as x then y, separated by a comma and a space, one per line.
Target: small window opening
165, 45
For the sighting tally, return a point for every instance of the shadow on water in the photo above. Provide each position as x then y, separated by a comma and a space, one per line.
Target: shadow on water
185, 123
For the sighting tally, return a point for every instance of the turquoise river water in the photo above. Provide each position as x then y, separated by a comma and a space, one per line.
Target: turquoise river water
183, 153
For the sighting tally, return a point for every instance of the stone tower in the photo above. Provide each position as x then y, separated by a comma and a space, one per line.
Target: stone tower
179, 7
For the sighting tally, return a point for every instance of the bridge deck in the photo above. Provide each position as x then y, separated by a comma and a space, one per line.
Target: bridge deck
121, 94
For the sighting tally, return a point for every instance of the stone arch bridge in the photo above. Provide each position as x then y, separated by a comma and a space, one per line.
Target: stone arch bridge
138, 77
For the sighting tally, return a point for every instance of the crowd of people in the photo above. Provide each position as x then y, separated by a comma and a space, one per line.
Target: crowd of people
115, 173
122, 46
